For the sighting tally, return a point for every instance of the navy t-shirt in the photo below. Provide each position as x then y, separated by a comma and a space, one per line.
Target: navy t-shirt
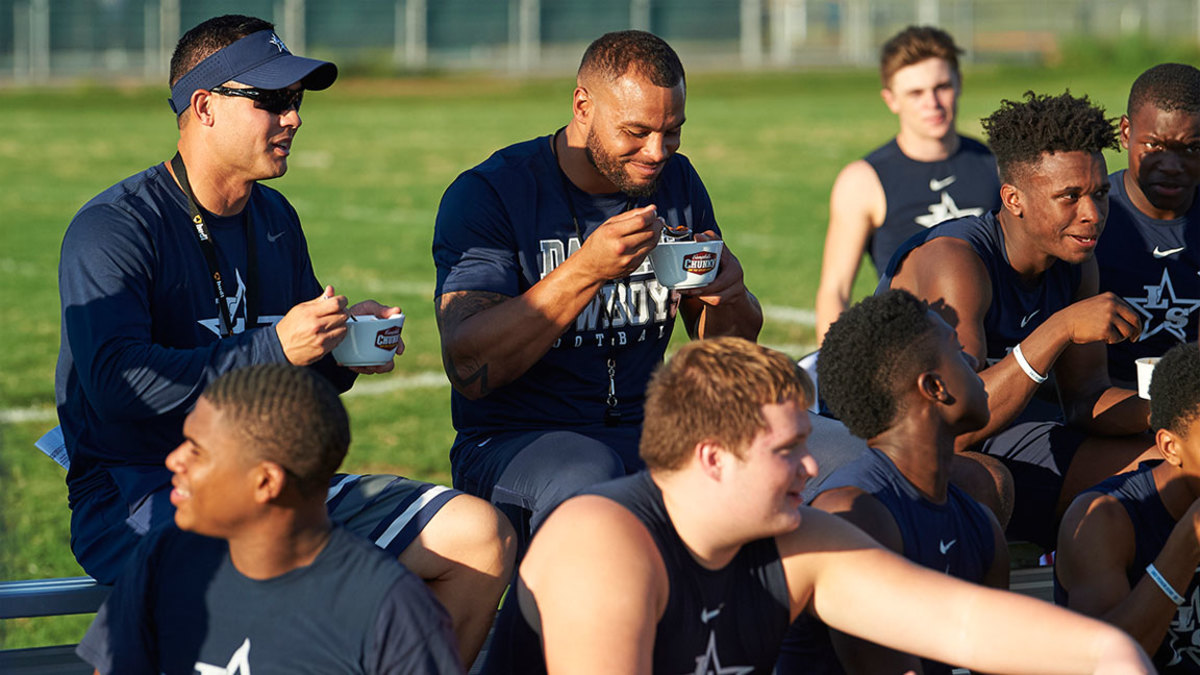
505, 225
1155, 266
182, 607
140, 336
920, 195
1152, 525
1017, 308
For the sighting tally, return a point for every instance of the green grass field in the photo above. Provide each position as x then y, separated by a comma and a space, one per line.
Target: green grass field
367, 171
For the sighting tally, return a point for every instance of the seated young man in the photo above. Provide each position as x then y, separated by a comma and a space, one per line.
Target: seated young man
253, 575
701, 563
1150, 253
1129, 548
894, 372
1020, 287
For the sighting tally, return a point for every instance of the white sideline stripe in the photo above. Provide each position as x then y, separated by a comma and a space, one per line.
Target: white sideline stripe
795, 351
30, 414
804, 317
364, 387
413, 509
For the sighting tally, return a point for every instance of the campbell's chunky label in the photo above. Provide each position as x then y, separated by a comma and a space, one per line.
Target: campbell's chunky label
388, 338
700, 262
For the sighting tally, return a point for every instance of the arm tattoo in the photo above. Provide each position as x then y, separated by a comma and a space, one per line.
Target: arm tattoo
451, 310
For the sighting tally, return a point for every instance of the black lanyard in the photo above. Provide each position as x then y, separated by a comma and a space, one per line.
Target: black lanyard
612, 416
209, 248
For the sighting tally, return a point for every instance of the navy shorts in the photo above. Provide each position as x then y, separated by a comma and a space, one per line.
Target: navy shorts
1038, 454
388, 510
526, 474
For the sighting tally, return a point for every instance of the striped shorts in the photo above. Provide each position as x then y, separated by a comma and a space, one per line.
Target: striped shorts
388, 510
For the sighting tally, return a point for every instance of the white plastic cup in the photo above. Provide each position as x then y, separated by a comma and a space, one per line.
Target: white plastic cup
686, 264
370, 341
1145, 371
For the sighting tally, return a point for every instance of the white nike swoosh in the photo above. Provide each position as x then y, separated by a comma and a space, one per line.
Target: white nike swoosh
484, 442
1163, 254
271, 237
706, 614
1027, 319
946, 547
936, 185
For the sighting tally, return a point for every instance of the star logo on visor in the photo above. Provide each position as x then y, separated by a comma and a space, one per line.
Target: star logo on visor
278, 43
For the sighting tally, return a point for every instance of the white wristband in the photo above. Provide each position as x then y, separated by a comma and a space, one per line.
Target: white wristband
1033, 374
1164, 584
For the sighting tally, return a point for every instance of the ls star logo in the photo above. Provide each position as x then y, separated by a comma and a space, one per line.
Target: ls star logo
1163, 310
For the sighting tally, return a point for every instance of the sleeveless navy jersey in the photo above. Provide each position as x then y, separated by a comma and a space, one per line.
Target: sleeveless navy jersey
1016, 309
1154, 265
954, 537
922, 194
1152, 525
730, 620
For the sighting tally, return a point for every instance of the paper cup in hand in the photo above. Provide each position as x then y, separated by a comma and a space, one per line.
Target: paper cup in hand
1145, 370
686, 264
370, 341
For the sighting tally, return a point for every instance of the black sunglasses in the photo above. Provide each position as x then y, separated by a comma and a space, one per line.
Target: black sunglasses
277, 101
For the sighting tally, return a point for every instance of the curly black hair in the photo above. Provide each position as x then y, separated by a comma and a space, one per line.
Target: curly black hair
1175, 389
1169, 86
868, 354
1020, 132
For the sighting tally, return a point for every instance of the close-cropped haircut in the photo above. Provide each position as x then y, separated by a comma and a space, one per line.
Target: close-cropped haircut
914, 45
287, 415
714, 390
1168, 86
1020, 132
870, 355
615, 54
1175, 389
210, 37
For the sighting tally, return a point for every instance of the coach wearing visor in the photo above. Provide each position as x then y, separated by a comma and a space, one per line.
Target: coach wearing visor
191, 269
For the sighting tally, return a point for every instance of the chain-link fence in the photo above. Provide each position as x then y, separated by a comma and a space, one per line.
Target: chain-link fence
42, 40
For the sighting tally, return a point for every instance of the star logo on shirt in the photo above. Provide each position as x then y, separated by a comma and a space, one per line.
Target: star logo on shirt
709, 663
945, 210
239, 663
1163, 310
239, 323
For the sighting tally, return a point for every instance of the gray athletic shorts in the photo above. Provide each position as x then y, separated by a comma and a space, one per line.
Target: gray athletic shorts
389, 510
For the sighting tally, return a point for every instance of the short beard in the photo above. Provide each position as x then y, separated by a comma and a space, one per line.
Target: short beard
614, 170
